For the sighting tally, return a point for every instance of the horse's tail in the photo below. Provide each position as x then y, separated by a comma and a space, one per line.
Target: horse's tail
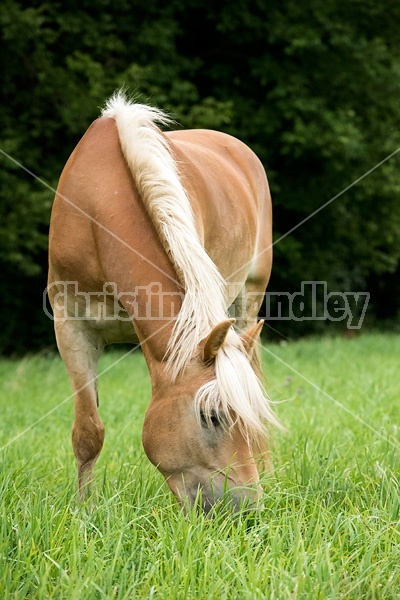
155, 173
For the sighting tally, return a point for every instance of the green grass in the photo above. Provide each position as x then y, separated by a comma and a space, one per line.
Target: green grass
329, 529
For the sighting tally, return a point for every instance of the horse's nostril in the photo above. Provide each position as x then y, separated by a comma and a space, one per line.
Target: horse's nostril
208, 500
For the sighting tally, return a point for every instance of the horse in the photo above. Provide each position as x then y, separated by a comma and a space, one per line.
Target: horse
164, 239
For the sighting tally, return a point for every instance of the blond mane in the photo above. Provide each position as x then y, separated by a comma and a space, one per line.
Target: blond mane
236, 390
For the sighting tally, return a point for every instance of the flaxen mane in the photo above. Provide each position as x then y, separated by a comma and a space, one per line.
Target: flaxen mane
236, 390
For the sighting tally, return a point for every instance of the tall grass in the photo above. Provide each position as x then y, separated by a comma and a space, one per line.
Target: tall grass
329, 528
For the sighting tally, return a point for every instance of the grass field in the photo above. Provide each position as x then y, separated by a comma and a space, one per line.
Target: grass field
329, 529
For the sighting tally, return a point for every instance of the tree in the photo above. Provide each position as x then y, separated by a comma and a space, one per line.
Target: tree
313, 91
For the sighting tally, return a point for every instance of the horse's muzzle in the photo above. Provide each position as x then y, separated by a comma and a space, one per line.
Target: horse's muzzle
232, 500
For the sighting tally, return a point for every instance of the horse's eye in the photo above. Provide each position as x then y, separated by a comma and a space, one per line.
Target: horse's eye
213, 418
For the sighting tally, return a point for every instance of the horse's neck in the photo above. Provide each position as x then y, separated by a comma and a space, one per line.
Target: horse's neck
151, 292
155, 310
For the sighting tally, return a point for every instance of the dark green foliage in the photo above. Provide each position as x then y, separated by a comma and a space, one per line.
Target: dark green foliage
314, 90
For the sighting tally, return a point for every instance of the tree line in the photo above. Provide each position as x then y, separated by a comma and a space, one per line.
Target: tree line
313, 89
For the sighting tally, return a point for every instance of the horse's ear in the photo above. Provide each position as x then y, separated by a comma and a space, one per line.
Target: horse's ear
251, 337
215, 339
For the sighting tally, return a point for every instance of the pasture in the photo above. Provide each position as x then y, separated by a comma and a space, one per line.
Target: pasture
329, 528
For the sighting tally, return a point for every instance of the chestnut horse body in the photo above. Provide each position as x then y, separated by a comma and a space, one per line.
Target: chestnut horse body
154, 238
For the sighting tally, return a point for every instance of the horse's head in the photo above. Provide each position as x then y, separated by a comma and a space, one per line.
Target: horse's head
201, 438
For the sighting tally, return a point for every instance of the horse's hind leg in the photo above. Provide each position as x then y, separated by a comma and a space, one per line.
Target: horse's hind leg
80, 351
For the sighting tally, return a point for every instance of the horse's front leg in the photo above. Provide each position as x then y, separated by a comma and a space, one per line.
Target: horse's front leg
245, 309
80, 351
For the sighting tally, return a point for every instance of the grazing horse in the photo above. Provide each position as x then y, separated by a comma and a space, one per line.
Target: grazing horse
154, 238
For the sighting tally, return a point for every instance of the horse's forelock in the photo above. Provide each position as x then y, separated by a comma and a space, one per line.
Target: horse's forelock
237, 393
